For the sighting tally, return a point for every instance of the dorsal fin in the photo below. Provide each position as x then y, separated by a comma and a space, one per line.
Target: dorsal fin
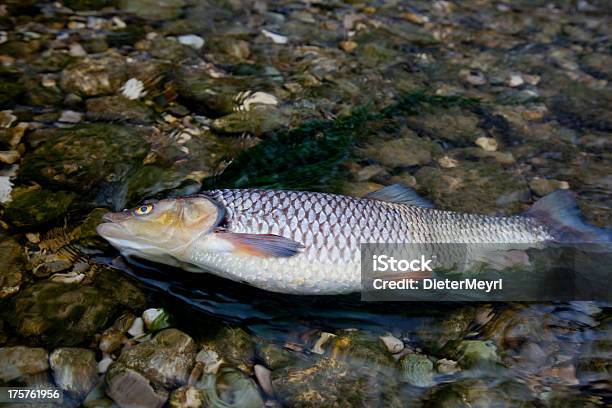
559, 211
397, 193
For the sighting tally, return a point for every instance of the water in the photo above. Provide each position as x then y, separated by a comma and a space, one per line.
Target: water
481, 107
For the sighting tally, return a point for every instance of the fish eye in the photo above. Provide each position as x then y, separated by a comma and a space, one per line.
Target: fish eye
144, 209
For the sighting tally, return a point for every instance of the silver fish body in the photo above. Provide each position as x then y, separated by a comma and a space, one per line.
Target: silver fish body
331, 228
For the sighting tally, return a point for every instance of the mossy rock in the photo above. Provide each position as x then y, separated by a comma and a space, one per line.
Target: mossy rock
462, 188
118, 108
435, 333
361, 349
33, 206
12, 262
85, 156
257, 121
167, 359
474, 353
417, 370
235, 346
329, 382
53, 313
87, 234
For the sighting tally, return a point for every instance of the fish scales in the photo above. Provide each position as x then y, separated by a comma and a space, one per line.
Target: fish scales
309, 243
332, 227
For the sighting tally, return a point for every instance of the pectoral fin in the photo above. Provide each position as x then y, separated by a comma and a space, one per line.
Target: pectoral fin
264, 245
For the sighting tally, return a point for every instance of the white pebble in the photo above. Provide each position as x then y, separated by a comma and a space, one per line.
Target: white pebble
133, 89
515, 80
104, 364
150, 315
393, 344
264, 377
192, 40
137, 328
257, 98
487, 143
69, 277
276, 38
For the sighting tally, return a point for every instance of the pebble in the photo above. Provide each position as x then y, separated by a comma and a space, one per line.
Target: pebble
69, 116
448, 162
9, 156
515, 80
21, 361
150, 315
7, 118
542, 187
74, 370
264, 378
445, 366
487, 143
276, 38
323, 338
473, 77
104, 364
137, 328
192, 40
249, 99
77, 50
348, 46
133, 89
393, 344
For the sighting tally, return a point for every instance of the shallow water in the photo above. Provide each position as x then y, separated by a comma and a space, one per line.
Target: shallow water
482, 107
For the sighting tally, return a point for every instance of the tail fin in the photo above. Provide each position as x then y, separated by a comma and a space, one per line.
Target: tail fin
559, 211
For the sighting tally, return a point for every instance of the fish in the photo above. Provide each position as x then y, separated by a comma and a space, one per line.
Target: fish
308, 243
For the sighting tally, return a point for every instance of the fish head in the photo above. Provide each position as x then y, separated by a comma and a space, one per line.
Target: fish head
163, 228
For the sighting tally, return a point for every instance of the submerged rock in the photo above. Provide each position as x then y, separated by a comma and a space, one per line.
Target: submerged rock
12, 261
19, 362
257, 121
228, 387
75, 370
94, 76
85, 156
167, 359
462, 188
55, 313
416, 369
115, 108
455, 125
472, 353
409, 150
234, 346
33, 206
130, 389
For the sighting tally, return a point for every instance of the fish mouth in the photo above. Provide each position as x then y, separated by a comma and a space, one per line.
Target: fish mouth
110, 227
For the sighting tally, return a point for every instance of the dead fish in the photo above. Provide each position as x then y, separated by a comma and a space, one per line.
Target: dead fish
308, 242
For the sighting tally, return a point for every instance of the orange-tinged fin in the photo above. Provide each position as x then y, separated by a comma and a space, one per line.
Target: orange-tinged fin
265, 245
